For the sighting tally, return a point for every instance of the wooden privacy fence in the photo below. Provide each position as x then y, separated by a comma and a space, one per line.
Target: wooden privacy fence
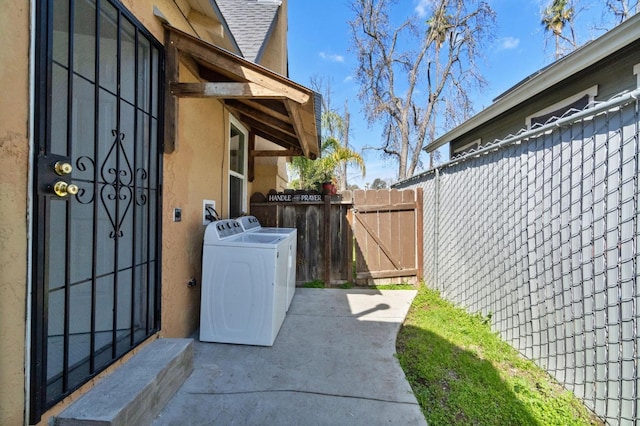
382, 228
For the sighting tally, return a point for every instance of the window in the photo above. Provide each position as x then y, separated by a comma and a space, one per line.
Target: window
237, 169
475, 144
636, 72
579, 101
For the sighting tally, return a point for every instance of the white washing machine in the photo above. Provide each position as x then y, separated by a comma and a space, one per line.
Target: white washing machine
252, 224
244, 289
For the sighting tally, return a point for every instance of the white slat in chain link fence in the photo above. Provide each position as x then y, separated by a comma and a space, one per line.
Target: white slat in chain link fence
542, 231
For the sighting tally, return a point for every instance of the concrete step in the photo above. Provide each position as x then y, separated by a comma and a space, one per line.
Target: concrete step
137, 391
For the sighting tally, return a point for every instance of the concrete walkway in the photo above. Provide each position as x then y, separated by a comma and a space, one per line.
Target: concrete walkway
332, 364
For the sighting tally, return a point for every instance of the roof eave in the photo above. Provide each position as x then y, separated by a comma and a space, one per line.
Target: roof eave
612, 41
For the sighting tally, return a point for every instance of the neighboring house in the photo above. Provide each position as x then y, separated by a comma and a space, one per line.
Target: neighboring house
118, 119
597, 71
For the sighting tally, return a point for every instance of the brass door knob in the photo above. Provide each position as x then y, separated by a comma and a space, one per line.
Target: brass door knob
62, 189
62, 168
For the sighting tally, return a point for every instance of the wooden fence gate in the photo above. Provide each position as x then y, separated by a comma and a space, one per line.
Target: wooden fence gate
387, 230
382, 228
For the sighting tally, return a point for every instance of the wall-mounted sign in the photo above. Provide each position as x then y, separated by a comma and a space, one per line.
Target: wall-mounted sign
297, 197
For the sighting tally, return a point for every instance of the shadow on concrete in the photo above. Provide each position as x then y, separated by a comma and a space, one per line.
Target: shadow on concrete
378, 307
333, 363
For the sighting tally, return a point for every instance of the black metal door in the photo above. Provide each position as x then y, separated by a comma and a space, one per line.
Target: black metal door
96, 193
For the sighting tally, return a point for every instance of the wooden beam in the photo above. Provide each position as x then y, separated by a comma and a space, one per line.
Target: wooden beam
278, 153
386, 274
294, 113
170, 101
251, 160
397, 207
263, 117
240, 68
285, 144
274, 108
270, 133
223, 90
190, 64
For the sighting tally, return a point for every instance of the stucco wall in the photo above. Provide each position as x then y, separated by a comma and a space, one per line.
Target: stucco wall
14, 166
275, 51
193, 173
269, 176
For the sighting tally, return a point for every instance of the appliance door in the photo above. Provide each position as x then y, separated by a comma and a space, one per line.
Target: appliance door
238, 296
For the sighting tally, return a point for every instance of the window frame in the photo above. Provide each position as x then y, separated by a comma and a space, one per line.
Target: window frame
234, 123
592, 92
462, 149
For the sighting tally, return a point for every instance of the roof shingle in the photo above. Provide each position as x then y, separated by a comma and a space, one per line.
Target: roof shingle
250, 22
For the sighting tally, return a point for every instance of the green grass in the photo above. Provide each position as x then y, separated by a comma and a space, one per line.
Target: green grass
394, 287
314, 284
464, 374
348, 285
321, 284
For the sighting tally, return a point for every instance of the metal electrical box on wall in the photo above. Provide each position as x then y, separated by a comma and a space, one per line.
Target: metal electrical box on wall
209, 213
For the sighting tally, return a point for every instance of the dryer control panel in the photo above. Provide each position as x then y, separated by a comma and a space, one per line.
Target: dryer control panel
249, 222
222, 229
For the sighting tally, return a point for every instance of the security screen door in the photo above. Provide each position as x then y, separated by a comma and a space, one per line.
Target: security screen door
96, 193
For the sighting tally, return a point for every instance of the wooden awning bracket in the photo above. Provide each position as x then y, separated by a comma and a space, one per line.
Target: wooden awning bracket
272, 106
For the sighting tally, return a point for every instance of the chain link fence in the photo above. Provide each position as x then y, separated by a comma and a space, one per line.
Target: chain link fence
542, 232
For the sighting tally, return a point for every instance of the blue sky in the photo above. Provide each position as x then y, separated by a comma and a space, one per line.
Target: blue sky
319, 45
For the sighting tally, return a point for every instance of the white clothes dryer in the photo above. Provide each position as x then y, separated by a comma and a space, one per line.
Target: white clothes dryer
252, 224
243, 285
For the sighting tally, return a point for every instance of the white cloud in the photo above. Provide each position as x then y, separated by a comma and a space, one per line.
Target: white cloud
331, 57
507, 43
348, 79
423, 6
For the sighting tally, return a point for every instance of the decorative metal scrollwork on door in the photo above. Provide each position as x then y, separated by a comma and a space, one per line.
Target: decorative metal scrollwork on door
117, 185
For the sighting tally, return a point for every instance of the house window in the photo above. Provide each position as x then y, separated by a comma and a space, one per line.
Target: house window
475, 144
579, 101
237, 169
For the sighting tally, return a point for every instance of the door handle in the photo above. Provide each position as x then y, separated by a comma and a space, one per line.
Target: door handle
62, 168
62, 188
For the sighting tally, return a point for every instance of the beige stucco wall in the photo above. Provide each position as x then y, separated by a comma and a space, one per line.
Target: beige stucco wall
269, 176
192, 173
275, 51
14, 167
195, 171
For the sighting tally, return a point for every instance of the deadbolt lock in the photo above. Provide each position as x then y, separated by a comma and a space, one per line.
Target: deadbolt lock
62, 189
62, 168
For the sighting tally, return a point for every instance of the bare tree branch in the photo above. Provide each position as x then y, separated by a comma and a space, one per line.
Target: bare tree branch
405, 73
